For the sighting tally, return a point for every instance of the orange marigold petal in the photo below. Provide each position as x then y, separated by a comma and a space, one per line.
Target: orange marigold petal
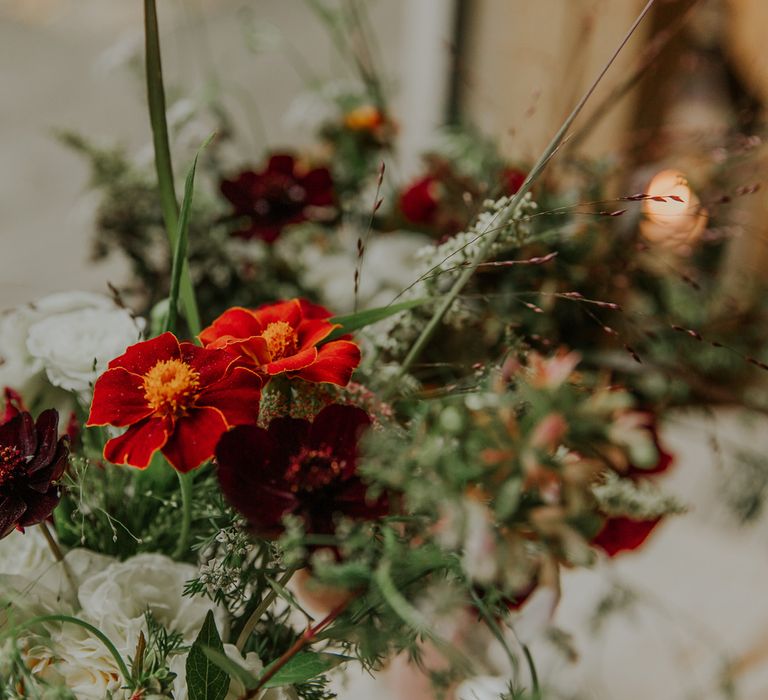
236, 322
292, 363
194, 438
141, 357
335, 363
136, 446
237, 396
118, 399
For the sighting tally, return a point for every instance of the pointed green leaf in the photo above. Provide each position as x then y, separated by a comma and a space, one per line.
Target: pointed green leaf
180, 263
353, 322
232, 668
205, 679
303, 667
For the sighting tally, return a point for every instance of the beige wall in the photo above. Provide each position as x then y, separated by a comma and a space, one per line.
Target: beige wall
529, 62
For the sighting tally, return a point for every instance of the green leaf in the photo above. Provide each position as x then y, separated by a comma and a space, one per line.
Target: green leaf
353, 322
232, 668
205, 679
163, 165
303, 667
180, 263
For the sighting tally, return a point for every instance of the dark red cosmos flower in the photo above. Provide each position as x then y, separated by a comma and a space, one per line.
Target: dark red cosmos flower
174, 397
32, 460
300, 468
281, 194
622, 534
284, 338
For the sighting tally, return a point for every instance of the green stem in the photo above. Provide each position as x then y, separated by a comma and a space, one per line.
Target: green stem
93, 630
163, 165
185, 485
58, 555
532, 670
262, 607
497, 225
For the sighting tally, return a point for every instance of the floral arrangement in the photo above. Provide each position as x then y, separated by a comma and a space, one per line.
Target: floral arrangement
284, 448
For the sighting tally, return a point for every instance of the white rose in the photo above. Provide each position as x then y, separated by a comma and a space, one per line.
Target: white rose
28, 555
78, 661
482, 688
116, 598
91, 328
74, 345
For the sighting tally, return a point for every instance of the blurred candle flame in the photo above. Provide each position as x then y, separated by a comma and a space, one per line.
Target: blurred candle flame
673, 217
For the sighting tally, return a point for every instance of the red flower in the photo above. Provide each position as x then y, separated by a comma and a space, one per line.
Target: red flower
622, 534
419, 202
512, 179
174, 397
32, 460
14, 405
297, 467
284, 338
279, 195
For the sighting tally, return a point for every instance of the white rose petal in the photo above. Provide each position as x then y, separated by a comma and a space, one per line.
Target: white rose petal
116, 599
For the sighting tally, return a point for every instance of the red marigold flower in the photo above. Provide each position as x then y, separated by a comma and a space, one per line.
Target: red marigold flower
420, 201
281, 194
622, 534
297, 467
174, 397
32, 460
284, 338
14, 405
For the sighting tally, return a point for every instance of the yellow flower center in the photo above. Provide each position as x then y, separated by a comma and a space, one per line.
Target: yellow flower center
282, 340
170, 387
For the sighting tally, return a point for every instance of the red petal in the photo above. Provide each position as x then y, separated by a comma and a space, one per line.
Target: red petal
288, 311
194, 438
281, 163
301, 360
142, 357
210, 364
249, 478
340, 428
310, 310
236, 322
623, 535
313, 331
137, 445
254, 350
335, 363
237, 396
118, 399
11, 509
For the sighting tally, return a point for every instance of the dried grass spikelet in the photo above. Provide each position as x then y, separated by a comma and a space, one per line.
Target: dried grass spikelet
673, 217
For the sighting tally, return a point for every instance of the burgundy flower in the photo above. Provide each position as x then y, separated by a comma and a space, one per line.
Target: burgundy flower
281, 194
32, 460
622, 534
297, 467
